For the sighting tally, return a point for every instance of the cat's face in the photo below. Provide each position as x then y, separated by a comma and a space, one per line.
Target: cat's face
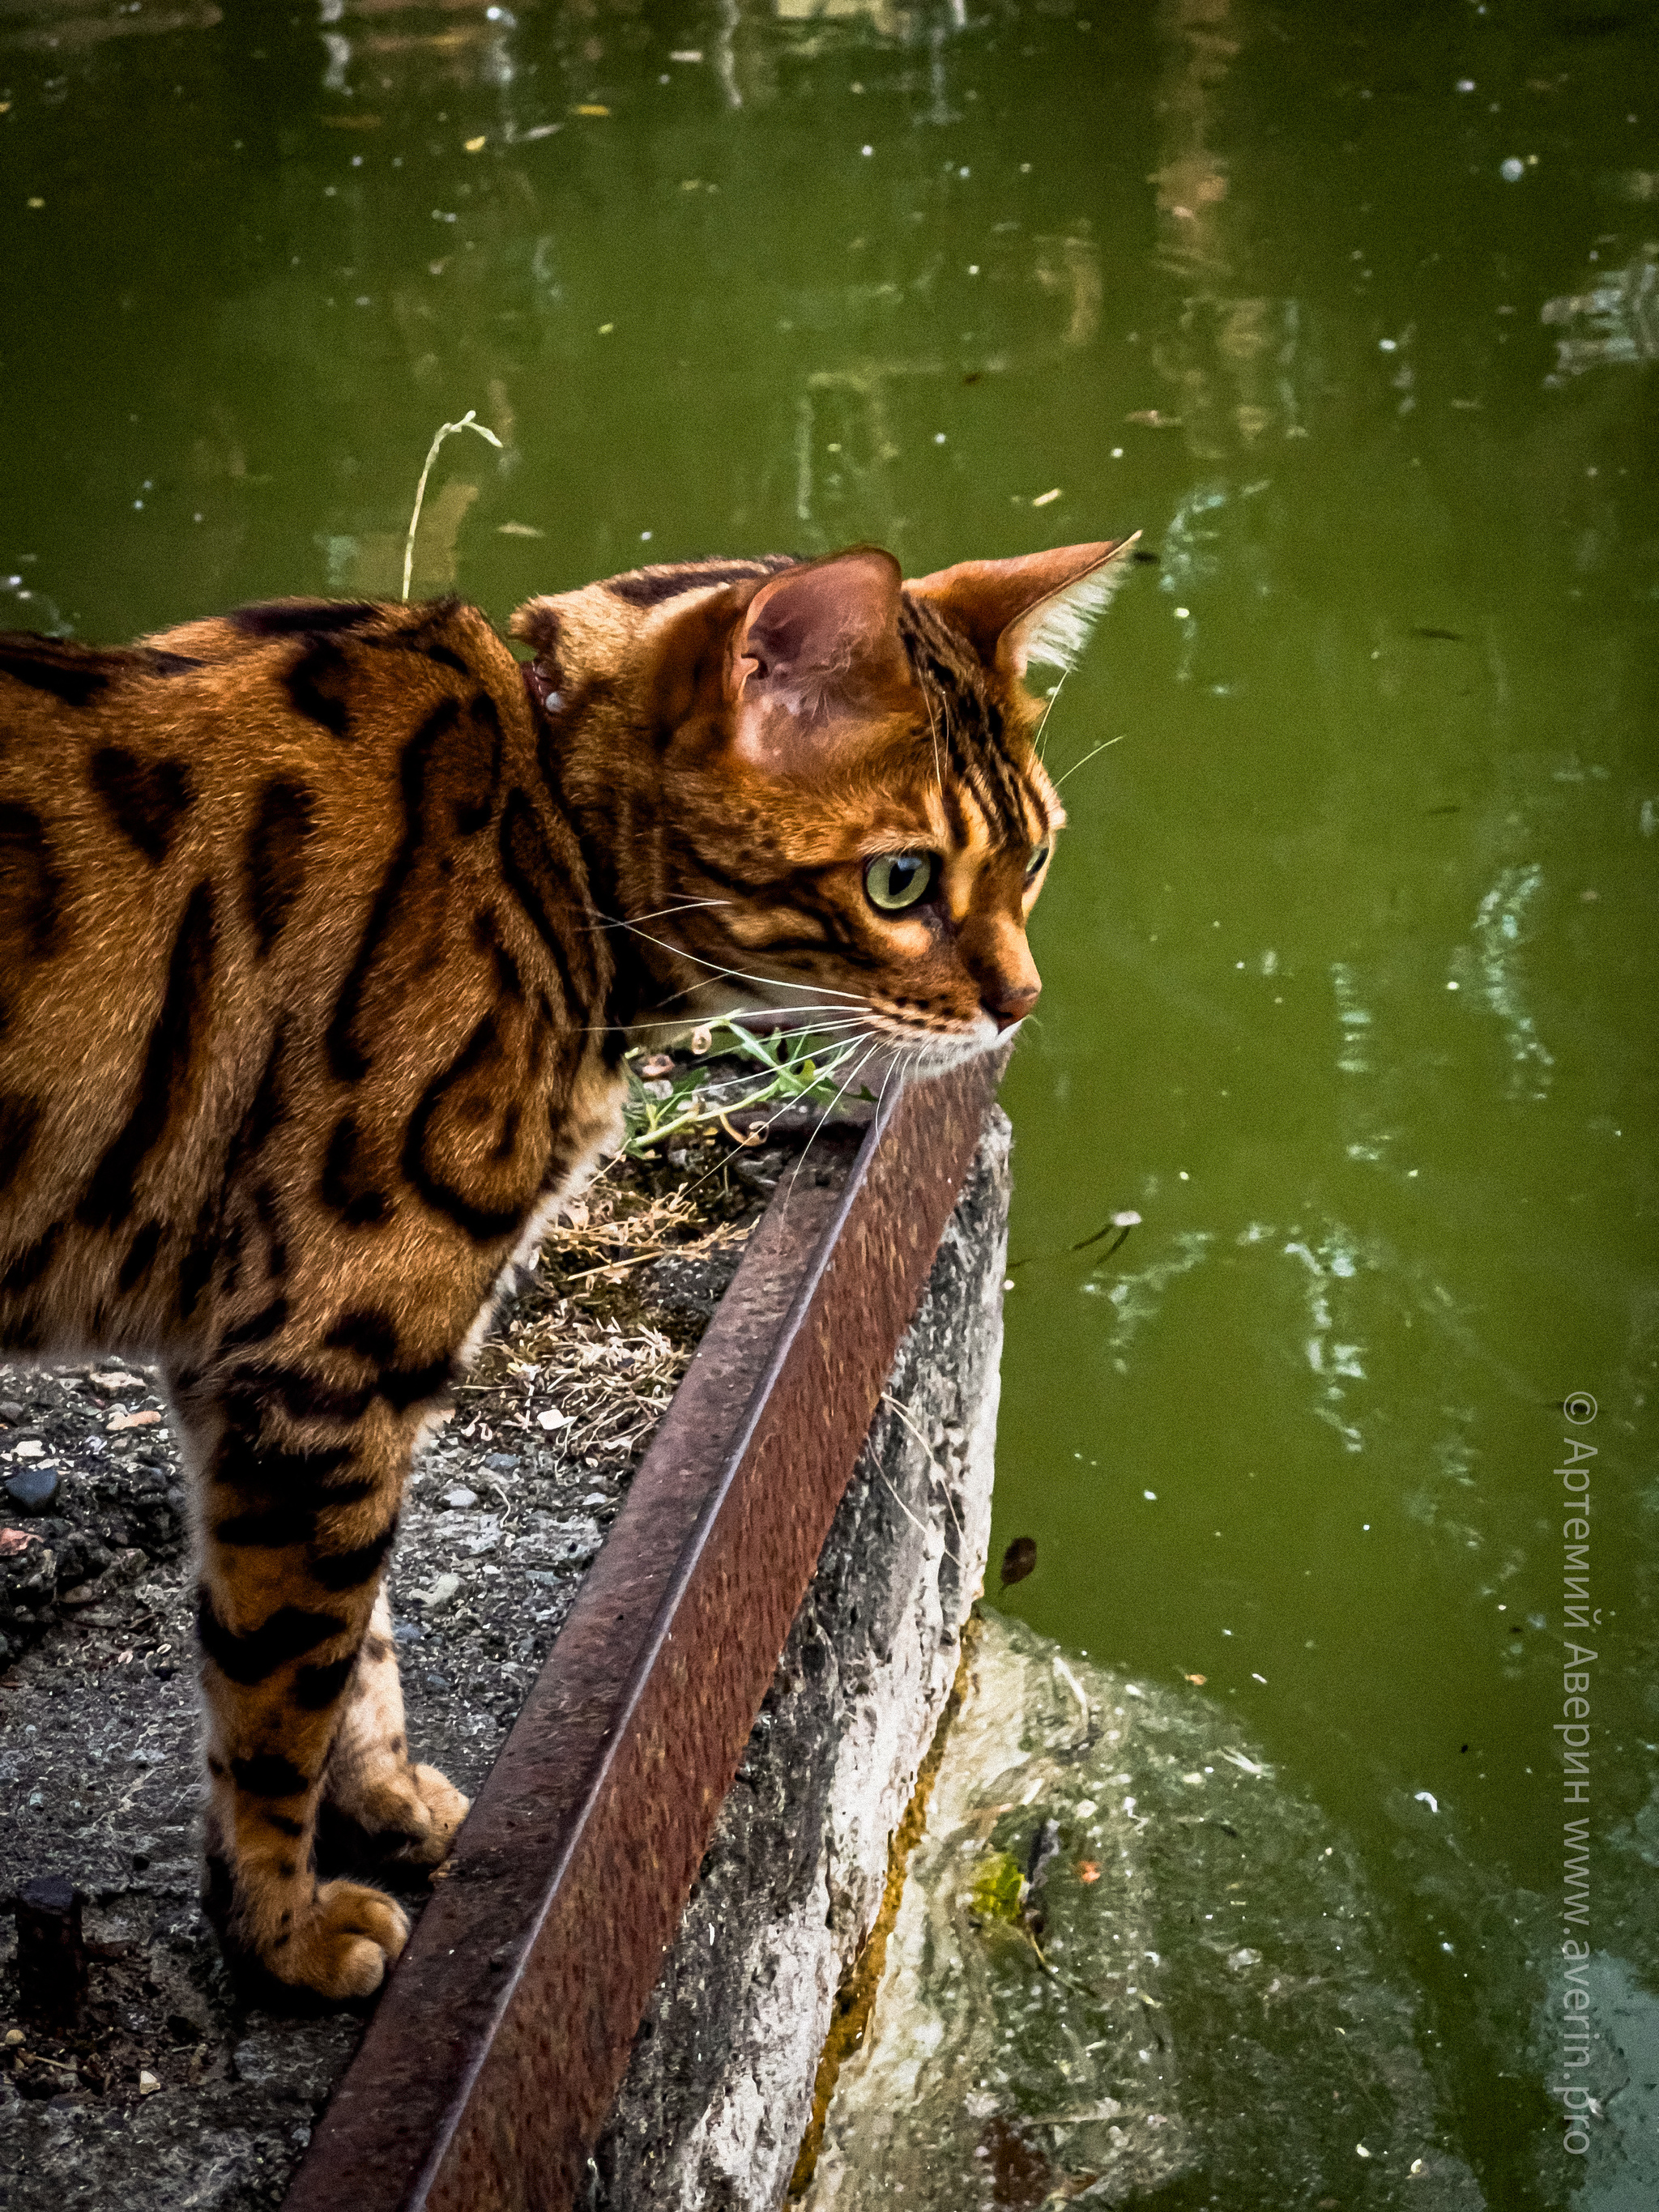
852, 822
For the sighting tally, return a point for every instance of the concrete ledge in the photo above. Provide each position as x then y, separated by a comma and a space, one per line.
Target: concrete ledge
719, 2092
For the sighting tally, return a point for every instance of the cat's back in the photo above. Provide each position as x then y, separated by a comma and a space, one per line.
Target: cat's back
283, 814
239, 779
142, 753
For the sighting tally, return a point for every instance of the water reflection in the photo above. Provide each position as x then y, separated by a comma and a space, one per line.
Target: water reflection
1231, 357
1347, 954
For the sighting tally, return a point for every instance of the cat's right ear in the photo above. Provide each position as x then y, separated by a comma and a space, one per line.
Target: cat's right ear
813, 654
1040, 606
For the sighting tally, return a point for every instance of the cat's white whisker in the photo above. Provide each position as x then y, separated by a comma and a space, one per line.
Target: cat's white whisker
711, 1021
932, 732
881, 1095
1047, 710
1087, 757
688, 906
828, 1111
739, 975
838, 1059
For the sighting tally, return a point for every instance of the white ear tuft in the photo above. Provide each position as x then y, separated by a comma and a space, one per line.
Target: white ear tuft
1056, 630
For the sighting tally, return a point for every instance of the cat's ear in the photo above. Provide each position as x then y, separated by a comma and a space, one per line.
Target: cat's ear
1039, 607
816, 646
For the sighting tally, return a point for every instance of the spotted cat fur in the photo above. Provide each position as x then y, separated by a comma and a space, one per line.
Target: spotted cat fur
324, 930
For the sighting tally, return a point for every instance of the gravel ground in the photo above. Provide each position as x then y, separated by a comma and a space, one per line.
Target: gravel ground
170, 2094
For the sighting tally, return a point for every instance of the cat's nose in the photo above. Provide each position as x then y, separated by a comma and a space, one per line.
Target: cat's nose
1008, 1002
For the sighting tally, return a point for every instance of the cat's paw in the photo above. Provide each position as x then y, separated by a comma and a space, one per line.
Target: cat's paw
402, 1816
341, 1945
445, 1809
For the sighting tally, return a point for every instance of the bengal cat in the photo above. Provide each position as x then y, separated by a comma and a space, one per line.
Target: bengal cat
324, 930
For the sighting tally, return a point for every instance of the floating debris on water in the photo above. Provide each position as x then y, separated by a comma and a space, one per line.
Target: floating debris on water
1018, 1560
1619, 319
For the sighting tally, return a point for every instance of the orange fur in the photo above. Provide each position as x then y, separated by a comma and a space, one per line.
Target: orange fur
323, 932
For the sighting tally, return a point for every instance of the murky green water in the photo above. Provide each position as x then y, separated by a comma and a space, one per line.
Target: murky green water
1350, 955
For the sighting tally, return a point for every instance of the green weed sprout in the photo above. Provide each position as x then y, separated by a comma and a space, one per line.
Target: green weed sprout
790, 1068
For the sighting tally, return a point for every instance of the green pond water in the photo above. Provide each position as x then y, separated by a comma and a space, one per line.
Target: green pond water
1350, 950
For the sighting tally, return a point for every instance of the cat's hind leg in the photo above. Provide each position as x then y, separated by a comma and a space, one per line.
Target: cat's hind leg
302, 1471
380, 1808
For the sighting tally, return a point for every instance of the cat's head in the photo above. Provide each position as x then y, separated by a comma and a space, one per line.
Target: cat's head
817, 786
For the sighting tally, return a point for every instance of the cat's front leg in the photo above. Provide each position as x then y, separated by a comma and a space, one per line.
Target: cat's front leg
301, 1486
380, 1809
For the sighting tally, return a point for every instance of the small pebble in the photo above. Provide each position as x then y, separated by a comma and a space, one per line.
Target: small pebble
148, 2084
438, 1682
460, 1498
13, 2037
33, 1490
10, 1409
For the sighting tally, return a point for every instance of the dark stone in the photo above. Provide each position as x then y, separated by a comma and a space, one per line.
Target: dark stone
32, 1489
51, 1953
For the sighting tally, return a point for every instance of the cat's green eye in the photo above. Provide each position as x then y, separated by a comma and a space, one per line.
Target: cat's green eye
1035, 865
896, 881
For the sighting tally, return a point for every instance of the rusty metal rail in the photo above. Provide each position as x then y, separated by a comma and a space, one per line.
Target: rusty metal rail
494, 2055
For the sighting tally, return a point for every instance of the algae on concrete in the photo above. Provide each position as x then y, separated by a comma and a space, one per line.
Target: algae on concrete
1127, 1968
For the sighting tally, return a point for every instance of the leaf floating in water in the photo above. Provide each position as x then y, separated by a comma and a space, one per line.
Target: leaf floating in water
517, 530
1247, 1765
1103, 2108
1018, 1560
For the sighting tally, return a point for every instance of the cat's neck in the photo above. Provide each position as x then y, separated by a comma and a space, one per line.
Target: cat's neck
600, 764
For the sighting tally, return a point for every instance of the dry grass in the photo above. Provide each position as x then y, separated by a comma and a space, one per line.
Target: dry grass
588, 1360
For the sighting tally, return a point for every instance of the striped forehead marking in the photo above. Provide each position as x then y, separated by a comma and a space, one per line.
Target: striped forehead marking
967, 729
